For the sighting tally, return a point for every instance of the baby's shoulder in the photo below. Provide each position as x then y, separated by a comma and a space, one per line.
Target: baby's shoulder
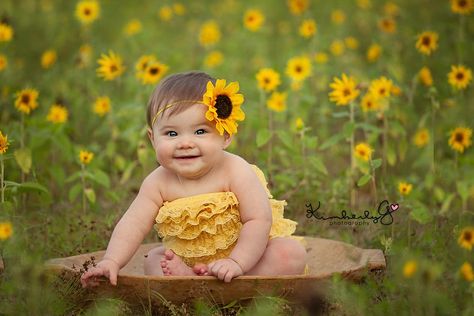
151, 185
235, 164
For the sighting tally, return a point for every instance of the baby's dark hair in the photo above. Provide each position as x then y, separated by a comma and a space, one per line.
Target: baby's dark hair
187, 86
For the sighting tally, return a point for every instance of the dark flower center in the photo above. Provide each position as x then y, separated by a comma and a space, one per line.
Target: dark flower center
459, 76
87, 11
467, 236
113, 68
298, 69
223, 106
25, 99
426, 40
462, 3
154, 71
459, 137
346, 92
382, 91
266, 80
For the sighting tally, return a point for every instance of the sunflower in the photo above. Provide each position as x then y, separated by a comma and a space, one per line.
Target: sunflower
102, 105
26, 100
460, 139
57, 114
3, 62
214, 59
381, 88
179, 9
369, 103
307, 28
351, 42
299, 123
165, 13
409, 268
111, 66
321, 58
224, 105
3, 143
466, 239
462, 6
298, 6
87, 11
6, 230
421, 138
6, 32
85, 157
132, 27
337, 47
268, 79
48, 58
373, 52
387, 25
404, 188
209, 33
298, 68
338, 16
277, 101
425, 76
142, 64
363, 151
466, 272
344, 90
427, 42
253, 19
154, 72
459, 77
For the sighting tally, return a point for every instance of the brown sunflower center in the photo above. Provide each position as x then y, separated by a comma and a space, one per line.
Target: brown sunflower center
87, 11
113, 68
382, 91
298, 69
25, 99
462, 3
468, 236
154, 71
460, 76
266, 80
223, 106
346, 92
459, 137
426, 40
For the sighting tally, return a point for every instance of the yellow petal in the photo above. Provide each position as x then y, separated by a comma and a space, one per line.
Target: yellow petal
232, 88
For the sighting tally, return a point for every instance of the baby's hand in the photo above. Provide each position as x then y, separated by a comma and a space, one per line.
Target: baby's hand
106, 267
225, 269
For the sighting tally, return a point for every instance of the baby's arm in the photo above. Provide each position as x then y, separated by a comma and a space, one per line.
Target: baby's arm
128, 234
256, 216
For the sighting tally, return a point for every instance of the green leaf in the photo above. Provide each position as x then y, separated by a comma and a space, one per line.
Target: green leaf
340, 114
90, 195
391, 155
421, 215
363, 180
263, 136
348, 129
446, 203
128, 172
101, 178
333, 140
463, 190
33, 186
402, 148
376, 163
23, 158
311, 142
286, 139
318, 164
76, 175
369, 128
74, 192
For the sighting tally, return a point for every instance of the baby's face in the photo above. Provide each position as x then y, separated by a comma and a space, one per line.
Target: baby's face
187, 143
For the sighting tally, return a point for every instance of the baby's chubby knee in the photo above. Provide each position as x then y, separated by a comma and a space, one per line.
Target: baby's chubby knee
292, 252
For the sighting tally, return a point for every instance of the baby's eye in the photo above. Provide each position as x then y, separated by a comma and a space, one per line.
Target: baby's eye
200, 131
171, 133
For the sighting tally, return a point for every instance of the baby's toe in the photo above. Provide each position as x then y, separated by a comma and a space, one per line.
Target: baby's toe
169, 254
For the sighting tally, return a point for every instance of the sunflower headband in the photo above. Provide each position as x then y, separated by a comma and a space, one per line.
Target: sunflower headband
223, 104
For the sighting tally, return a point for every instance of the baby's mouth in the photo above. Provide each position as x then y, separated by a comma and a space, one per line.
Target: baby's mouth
187, 157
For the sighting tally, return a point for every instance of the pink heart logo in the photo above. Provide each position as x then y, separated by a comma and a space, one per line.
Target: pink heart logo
394, 207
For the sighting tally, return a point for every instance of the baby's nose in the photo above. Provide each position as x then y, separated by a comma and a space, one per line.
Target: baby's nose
186, 142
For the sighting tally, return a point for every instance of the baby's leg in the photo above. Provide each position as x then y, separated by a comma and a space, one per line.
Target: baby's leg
152, 265
283, 256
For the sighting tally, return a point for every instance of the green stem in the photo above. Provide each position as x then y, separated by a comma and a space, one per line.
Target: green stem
83, 179
352, 172
2, 170
374, 187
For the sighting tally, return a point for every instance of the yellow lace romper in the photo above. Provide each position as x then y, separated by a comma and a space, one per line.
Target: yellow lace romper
205, 227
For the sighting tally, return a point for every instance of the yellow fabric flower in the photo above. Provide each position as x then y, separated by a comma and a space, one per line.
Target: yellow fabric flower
111, 66
3, 143
3, 62
381, 88
351, 42
466, 272
462, 6
26, 100
338, 16
214, 59
277, 101
209, 34
298, 68
85, 157
421, 138
409, 268
466, 239
224, 105
344, 90
425, 76
87, 11
102, 105
459, 77
165, 13
253, 19
460, 139
268, 79
404, 188
298, 6
387, 25
373, 52
363, 151
132, 27
48, 58
321, 58
308, 28
337, 47
154, 72
57, 114
427, 42
6, 32
369, 103
6, 230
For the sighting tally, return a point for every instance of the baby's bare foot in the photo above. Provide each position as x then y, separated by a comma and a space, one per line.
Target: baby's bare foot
174, 265
200, 269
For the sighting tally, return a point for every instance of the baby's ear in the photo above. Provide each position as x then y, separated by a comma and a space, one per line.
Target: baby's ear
227, 140
149, 132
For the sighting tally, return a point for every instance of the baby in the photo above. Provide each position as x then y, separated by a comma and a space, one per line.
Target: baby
212, 208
